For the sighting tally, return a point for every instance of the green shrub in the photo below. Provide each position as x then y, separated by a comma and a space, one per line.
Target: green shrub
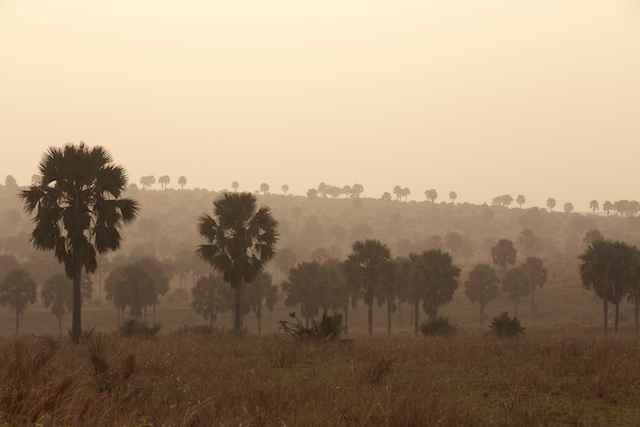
439, 327
134, 328
504, 326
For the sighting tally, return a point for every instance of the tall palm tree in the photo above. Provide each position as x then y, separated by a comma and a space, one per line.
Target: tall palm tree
520, 200
610, 268
79, 210
594, 205
240, 239
367, 269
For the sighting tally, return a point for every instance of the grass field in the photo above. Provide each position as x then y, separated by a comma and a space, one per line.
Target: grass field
270, 380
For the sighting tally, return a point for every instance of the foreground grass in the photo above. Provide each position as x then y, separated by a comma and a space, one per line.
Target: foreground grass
270, 380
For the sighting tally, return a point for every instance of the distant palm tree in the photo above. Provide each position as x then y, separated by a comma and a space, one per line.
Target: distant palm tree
182, 181
264, 187
594, 206
431, 195
520, 200
398, 191
18, 290
367, 269
79, 211
568, 207
164, 180
285, 189
453, 196
551, 203
240, 239
235, 185
607, 207
482, 286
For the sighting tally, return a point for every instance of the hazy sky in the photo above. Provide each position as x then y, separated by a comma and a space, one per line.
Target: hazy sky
540, 98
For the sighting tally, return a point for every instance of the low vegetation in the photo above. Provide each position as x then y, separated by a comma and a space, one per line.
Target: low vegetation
270, 380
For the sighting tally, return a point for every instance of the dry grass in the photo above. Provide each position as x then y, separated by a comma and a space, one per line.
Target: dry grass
270, 380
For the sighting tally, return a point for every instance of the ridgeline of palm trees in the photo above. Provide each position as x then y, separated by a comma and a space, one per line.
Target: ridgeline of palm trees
79, 210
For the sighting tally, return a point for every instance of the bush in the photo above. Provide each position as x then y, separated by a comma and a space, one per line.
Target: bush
329, 328
205, 329
134, 328
439, 327
504, 326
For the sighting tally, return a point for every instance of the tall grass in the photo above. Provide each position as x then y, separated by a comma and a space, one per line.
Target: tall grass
194, 380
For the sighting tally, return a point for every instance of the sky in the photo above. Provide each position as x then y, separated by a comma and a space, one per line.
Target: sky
484, 98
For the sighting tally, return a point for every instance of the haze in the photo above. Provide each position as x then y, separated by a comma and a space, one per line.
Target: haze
479, 97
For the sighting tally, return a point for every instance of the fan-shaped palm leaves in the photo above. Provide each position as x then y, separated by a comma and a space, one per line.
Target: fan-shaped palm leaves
79, 210
240, 239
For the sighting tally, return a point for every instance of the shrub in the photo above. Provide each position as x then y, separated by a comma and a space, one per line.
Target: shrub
134, 328
329, 328
439, 327
504, 326
196, 330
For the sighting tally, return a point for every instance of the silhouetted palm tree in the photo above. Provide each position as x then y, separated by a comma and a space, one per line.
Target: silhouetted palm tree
240, 239
164, 180
551, 203
235, 185
79, 210
453, 196
285, 189
17, 290
182, 181
594, 206
520, 200
482, 286
367, 269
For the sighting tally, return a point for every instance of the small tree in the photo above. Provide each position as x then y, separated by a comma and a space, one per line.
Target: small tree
210, 297
18, 290
504, 253
482, 286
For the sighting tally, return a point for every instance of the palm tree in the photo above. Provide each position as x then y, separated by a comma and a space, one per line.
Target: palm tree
79, 210
164, 180
367, 269
594, 206
208, 297
520, 200
235, 185
453, 196
182, 181
285, 189
516, 286
482, 286
437, 280
17, 290
610, 268
386, 197
307, 286
431, 195
568, 207
607, 207
240, 240
264, 187
57, 293
504, 253
551, 203
536, 275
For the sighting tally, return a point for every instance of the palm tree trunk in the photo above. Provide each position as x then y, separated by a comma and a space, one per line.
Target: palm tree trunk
482, 314
76, 323
616, 318
416, 312
370, 317
389, 316
60, 326
636, 313
154, 314
259, 316
533, 288
237, 312
346, 318
17, 321
605, 309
